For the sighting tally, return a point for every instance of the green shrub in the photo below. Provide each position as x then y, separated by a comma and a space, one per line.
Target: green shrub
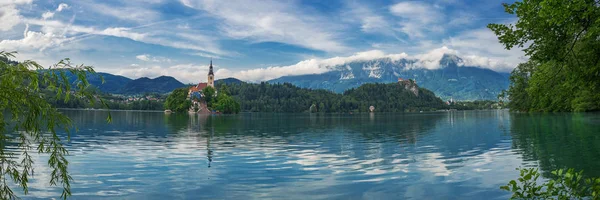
565, 184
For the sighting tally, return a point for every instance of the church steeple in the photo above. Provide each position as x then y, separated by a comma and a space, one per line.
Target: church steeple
211, 76
210, 70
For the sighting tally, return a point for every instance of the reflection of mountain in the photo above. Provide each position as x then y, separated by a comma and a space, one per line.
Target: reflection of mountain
559, 140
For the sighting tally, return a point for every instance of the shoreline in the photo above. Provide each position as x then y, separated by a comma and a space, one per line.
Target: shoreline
92, 109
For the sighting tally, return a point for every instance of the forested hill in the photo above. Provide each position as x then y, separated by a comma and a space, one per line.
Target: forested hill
391, 97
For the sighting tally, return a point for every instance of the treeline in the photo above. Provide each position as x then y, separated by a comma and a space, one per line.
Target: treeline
113, 102
476, 105
561, 39
392, 97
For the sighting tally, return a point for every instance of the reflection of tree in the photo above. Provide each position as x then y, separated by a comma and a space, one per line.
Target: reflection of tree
405, 128
558, 141
177, 122
121, 120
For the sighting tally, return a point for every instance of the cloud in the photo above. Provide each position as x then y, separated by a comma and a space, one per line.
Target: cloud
369, 20
33, 40
484, 42
428, 60
14, 2
151, 35
149, 58
273, 21
417, 18
206, 55
129, 11
144, 57
311, 66
9, 17
47, 15
61, 7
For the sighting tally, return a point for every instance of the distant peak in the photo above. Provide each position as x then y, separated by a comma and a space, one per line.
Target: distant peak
164, 77
449, 58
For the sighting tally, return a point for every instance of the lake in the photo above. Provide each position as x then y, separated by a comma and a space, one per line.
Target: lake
440, 155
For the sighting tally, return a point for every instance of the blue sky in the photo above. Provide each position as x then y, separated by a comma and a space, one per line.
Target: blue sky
252, 40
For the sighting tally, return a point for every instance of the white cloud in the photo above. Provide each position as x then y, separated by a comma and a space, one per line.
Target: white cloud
274, 21
206, 55
121, 32
9, 17
61, 7
50, 14
151, 35
33, 40
418, 18
47, 15
144, 57
130, 11
484, 42
311, 66
370, 21
428, 60
149, 58
14, 2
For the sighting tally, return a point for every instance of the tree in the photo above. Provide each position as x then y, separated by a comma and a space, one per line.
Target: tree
227, 105
177, 101
561, 40
208, 95
31, 123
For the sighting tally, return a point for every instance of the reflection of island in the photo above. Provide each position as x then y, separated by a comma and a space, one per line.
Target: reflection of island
209, 151
559, 140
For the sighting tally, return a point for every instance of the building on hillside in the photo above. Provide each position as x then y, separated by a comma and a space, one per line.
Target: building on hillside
196, 90
401, 80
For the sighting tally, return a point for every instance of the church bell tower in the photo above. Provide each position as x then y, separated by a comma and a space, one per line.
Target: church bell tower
211, 76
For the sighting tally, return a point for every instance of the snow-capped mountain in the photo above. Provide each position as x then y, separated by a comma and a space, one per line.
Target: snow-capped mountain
450, 77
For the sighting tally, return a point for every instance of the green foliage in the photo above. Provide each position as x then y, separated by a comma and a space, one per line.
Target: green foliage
393, 97
227, 104
177, 101
566, 184
30, 123
209, 95
561, 39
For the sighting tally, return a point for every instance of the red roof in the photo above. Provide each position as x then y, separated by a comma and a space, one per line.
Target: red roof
198, 87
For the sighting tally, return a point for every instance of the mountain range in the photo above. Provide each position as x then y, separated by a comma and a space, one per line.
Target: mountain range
453, 79
116, 84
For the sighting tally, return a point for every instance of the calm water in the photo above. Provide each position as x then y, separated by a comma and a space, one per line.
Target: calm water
455, 155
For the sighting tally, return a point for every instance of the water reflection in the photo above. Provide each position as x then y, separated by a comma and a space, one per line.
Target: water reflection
559, 140
453, 155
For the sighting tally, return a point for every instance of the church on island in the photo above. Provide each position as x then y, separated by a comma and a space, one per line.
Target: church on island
196, 91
